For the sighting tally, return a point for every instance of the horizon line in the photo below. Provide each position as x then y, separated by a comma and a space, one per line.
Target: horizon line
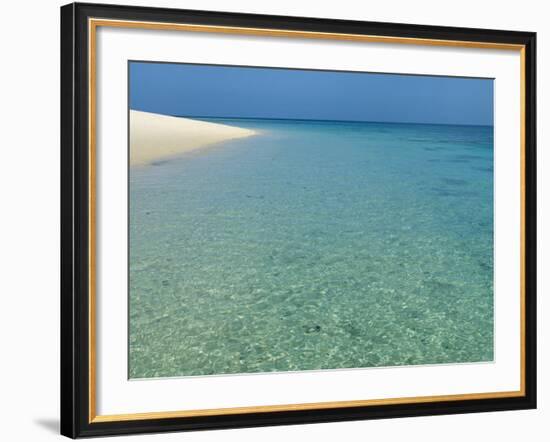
314, 119
326, 120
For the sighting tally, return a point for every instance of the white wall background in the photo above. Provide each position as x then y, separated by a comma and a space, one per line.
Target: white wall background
29, 219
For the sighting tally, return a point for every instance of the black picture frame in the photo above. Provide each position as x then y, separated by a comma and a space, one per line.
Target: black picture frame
75, 220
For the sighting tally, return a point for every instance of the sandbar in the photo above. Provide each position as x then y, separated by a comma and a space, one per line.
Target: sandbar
155, 137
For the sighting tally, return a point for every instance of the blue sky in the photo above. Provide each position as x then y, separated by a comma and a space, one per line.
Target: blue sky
243, 92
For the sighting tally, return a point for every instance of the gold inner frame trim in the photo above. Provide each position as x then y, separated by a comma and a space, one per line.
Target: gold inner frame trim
299, 34
93, 24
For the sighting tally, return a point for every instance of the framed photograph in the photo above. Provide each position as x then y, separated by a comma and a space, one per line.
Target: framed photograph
274, 220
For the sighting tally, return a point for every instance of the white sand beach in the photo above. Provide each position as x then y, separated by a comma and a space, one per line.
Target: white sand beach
155, 136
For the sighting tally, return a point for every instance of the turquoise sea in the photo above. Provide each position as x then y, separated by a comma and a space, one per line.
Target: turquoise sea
314, 245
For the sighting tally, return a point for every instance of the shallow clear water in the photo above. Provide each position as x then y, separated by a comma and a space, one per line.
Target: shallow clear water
315, 245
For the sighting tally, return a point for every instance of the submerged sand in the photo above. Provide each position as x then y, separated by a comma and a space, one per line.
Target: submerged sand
154, 137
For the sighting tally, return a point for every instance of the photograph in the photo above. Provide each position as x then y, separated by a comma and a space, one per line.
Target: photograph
277, 220
284, 220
